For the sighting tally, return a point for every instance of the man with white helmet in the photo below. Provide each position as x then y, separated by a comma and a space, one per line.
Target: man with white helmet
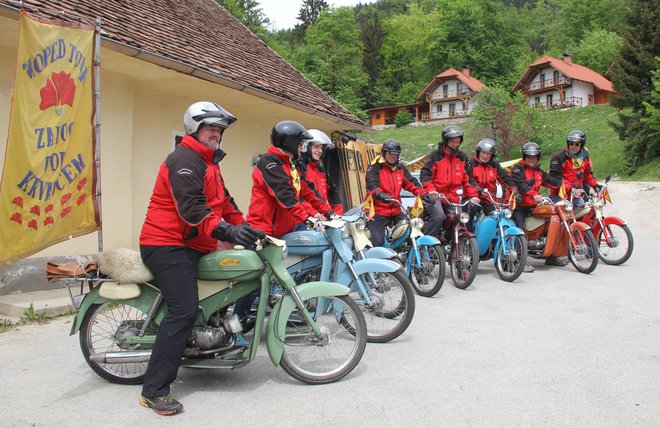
189, 211
312, 171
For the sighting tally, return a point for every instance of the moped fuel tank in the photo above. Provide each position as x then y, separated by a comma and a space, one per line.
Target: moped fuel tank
230, 265
306, 242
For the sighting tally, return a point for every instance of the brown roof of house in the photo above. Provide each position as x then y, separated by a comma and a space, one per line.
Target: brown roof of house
470, 82
568, 69
201, 34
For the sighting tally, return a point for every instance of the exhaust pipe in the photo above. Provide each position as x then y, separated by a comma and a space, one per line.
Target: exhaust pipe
121, 357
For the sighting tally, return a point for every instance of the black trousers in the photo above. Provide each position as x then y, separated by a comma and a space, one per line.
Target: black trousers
377, 227
175, 270
520, 214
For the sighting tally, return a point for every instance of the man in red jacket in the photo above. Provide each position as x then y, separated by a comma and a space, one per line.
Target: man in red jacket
386, 176
185, 221
446, 170
278, 192
312, 171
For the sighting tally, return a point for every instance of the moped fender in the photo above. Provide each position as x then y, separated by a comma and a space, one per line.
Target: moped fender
379, 253
607, 221
276, 327
142, 302
427, 240
511, 231
486, 231
578, 225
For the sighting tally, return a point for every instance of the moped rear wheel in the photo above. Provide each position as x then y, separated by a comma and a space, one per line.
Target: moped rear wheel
428, 273
105, 328
464, 261
393, 305
510, 264
315, 360
584, 254
620, 248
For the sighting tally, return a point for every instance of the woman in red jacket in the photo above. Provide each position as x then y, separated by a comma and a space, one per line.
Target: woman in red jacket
487, 173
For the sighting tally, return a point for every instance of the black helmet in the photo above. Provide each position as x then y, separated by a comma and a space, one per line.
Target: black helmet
576, 136
288, 136
531, 149
487, 145
451, 131
391, 146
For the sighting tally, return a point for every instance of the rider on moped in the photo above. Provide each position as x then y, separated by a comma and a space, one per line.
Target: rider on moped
310, 164
386, 176
528, 177
487, 173
573, 166
445, 171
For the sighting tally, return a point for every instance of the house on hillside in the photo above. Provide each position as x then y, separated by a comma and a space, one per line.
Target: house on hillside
554, 83
450, 94
157, 58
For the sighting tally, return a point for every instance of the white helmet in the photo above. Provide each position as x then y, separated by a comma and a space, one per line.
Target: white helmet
318, 137
208, 113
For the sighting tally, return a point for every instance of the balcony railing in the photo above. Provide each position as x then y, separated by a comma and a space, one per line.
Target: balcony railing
548, 83
565, 103
446, 114
442, 95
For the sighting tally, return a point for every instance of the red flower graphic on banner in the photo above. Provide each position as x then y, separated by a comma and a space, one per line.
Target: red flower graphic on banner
65, 212
81, 183
36, 209
48, 208
18, 201
33, 224
48, 220
17, 217
65, 198
81, 198
58, 90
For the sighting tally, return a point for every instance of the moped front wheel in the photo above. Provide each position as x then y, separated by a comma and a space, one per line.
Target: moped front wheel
464, 261
511, 263
328, 358
106, 328
392, 305
620, 246
583, 251
428, 273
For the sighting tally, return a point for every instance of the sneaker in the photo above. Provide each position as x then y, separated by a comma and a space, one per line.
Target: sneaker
555, 261
529, 268
240, 341
165, 406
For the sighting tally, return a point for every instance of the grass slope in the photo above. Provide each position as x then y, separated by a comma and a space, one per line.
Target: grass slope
605, 149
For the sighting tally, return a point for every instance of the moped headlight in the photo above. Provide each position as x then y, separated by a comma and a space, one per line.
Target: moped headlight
596, 204
568, 205
345, 233
360, 224
464, 217
417, 223
508, 213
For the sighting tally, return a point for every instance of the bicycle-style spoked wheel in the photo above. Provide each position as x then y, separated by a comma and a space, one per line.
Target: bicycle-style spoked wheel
620, 246
464, 261
583, 254
393, 305
511, 263
105, 328
318, 360
428, 273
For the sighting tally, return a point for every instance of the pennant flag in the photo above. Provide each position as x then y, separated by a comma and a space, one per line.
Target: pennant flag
48, 178
417, 208
562, 191
368, 206
508, 165
606, 195
512, 201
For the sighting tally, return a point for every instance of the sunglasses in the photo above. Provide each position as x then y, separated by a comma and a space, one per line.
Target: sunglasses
574, 144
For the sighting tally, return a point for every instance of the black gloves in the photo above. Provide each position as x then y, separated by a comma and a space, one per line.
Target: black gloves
579, 175
427, 199
384, 197
242, 234
598, 188
480, 191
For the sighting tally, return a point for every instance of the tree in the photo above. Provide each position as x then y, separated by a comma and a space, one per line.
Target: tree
310, 11
632, 77
372, 35
598, 50
249, 14
402, 118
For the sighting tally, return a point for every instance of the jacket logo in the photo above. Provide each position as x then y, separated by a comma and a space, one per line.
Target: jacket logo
184, 171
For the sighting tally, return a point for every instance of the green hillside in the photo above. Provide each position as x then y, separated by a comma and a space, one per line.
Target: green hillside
605, 148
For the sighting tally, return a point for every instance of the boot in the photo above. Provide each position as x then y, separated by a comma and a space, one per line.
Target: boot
556, 261
529, 268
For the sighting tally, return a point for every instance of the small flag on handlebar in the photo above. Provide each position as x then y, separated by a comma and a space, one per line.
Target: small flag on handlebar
368, 206
606, 195
512, 201
417, 208
562, 191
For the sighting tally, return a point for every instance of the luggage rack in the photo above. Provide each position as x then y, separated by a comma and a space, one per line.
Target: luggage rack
86, 275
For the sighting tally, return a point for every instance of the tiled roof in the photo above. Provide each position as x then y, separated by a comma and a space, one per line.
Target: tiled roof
470, 82
201, 34
568, 69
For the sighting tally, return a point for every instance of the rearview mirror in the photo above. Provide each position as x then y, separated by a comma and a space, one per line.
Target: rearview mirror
459, 192
499, 192
607, 179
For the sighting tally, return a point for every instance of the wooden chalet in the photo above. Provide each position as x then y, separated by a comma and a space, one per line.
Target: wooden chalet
450, 94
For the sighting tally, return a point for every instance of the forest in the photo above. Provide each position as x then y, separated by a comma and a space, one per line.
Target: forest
386, 52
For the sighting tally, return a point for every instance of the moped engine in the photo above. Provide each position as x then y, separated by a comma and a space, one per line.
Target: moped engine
536, 246
206, 338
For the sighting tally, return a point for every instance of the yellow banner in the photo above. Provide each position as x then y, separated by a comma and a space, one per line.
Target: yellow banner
48, 178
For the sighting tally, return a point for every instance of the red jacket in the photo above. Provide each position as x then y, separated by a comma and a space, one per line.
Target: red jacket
445, 173
565, 167
487, 175
521, 172
276, 205
320, 183
383, 178
189, 199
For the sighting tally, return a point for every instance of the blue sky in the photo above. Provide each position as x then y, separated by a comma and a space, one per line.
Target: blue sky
282, 13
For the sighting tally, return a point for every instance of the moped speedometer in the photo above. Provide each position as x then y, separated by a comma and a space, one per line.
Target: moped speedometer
568, 205
464, 217
361, 224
